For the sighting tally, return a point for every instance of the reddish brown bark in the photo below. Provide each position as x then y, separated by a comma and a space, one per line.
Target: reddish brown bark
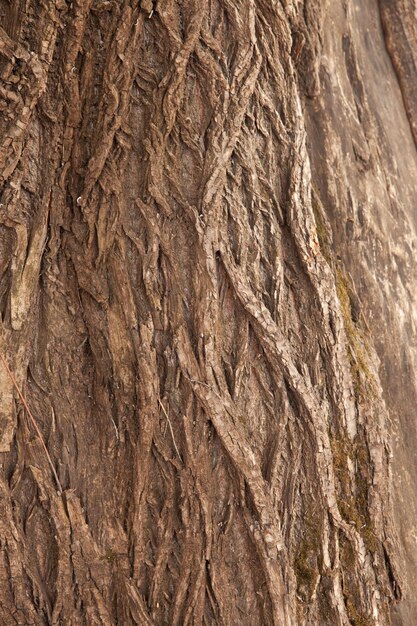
189, 310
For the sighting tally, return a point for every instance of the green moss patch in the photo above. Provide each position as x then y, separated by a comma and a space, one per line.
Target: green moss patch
353, 492
358, 351
308, 554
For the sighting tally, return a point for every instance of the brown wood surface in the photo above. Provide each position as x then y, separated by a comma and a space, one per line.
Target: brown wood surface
207, 300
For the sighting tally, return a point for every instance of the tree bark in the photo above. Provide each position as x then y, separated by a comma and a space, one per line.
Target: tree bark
206, 296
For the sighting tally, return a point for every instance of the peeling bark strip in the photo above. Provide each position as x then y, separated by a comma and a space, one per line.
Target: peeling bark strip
173, 299
32, 419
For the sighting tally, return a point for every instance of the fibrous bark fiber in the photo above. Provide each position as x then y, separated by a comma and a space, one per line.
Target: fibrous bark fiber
188, 305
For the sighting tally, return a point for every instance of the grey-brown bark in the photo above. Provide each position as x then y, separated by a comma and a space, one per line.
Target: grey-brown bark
206, 241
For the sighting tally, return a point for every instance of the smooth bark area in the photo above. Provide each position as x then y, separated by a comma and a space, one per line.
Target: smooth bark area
207, 279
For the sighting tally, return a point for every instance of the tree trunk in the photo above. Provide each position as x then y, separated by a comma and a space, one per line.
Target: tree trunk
206, 296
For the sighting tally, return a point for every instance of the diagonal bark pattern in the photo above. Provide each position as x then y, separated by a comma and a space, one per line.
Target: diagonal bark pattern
174, 308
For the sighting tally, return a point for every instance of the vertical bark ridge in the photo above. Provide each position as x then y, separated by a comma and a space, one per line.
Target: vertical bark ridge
177, 315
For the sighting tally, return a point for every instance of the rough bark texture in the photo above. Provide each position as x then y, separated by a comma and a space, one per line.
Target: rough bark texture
207, 265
